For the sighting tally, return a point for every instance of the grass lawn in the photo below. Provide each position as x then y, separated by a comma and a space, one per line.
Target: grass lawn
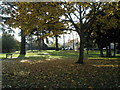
57, 69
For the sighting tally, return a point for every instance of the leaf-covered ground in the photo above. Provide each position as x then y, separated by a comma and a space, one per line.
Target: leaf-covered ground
60, 73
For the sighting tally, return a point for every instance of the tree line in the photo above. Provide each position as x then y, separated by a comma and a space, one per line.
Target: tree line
97, 20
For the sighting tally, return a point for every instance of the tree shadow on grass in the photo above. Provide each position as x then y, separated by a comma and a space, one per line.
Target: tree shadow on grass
20, 56
112, 57
36, 58
98, 55
33, 51
93, 55
23, 57
115, 57
63, 54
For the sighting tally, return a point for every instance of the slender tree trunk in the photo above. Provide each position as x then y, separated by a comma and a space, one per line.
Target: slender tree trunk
114, 49
87, 51
23, 43
81, 50
63, 42
73, 41
109, 50
101, 52
31, 43
56, 42
101, 49
118, 48
39, 44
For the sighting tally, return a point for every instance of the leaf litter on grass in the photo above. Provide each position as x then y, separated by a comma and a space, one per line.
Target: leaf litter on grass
59, 73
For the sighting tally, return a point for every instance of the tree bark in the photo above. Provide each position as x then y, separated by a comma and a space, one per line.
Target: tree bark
118, 48
109, 50
23, 43
56, 42
63, 42
81, 50
87, 51
73, 41
114, 49
101, 52
81, 35
39, 44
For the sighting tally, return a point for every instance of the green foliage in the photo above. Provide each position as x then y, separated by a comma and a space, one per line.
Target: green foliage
106, 29
9, 44
107, 18
41, 13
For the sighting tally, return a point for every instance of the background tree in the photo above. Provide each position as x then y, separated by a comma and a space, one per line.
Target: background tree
43, 18
6, 10
106, 27
9, 43
80, 15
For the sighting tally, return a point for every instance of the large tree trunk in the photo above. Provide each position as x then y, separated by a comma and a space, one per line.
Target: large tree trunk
56, 42
23, 43
101, 52
81, 50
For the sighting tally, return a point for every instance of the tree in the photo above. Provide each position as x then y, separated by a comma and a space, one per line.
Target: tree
23, 43
89, 44
9, 44
6, 9
9, 9
43, 18
84, 14
80, 15
106, 28
56, 42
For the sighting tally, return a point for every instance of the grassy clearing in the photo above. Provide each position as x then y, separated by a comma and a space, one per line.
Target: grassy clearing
51, 69
48, 54
93, 54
